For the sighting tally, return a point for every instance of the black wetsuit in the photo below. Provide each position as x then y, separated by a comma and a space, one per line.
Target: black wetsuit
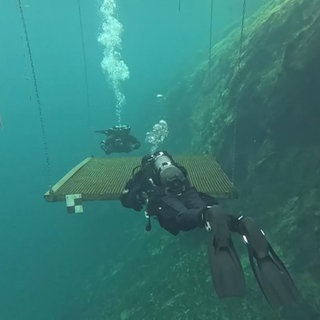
120, 143
175, 211
118, 139
179, 207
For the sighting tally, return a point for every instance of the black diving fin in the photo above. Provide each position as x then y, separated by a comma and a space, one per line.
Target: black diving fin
271, 274
226, 270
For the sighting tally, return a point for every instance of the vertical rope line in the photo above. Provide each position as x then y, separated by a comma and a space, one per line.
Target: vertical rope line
210, 34
209, 76
238, 66
35, 84
84, 55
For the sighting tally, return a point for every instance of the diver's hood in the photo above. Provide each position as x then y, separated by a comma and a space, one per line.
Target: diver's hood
170, 174
172, 179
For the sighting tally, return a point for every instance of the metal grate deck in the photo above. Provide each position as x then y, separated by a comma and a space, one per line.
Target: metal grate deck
105, 178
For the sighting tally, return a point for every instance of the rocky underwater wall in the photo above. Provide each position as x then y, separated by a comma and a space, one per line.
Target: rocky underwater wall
273, 102
264, 113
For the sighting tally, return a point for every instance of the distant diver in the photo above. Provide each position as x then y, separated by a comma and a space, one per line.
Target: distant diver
118, 139
163, 186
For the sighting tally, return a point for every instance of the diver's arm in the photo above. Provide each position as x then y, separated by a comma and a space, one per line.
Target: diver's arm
131, 195
133, 142
208, 200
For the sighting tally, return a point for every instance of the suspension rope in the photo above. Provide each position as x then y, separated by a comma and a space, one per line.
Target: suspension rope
210, 34
179, 6
35, 84
84, 55
238, 68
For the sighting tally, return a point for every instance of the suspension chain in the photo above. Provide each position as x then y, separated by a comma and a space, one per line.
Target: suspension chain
35, 84
84, 54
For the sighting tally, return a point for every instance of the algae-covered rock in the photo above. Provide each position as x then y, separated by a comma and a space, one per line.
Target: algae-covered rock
262, 109
268, 101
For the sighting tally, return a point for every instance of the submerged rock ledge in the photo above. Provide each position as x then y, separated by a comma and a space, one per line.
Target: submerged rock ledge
265, 115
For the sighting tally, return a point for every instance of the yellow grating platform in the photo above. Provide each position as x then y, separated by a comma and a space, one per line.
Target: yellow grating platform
105, 178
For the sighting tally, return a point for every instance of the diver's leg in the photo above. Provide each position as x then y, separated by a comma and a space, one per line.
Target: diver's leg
188, 209
226, 269
270, 272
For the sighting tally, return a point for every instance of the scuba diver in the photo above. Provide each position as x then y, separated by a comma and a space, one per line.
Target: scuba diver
118, 139
162, 185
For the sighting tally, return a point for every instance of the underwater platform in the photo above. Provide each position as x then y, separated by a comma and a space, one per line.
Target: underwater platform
105, 178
